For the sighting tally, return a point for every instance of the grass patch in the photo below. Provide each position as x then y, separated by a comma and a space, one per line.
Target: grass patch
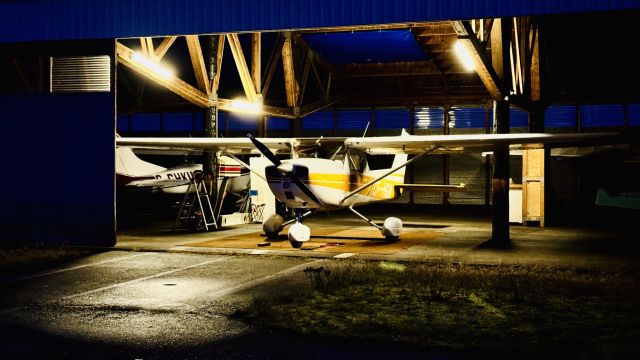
21, 259
563, 312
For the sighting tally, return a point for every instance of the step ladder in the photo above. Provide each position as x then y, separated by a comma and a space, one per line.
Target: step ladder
196, 211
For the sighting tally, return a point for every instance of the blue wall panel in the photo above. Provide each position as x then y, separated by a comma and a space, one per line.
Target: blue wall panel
429, 118
277, 123
61, 186
634, 114
242, 122
145, 122
518, 118
31, 20
560, 116
354, 119
601, 115
320, 120
177, 121
392, 119
123, 123
468, 117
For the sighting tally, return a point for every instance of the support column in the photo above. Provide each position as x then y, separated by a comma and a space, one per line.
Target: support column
500, 50
209, 165
445, 157
500, 182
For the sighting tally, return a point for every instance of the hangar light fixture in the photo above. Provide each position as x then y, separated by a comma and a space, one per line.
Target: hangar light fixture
462, 51
163, 71
244, 106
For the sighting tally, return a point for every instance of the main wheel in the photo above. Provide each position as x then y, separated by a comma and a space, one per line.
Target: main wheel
296, 244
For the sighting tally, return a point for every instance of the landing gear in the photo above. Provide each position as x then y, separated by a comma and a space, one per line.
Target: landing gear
297, 234
390, 229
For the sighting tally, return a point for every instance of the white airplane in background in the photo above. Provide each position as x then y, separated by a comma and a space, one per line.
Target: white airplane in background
345, 180
135, 174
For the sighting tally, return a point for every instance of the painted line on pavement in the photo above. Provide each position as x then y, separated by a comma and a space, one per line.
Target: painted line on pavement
113, 286
344, 255
71, 268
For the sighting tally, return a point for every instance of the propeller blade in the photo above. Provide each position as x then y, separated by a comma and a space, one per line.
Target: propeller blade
305, 189
264, 150
274, 159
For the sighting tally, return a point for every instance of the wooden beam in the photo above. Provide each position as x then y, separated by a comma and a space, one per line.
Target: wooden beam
241, 65
321, 83
150, 50
173, 84
215, 82
197, 60
290, 82
143, 47
319, 105
164, 46
364, 28
256, 66
534, 70
299, 40
484, 68
387, 70
272, 65
305, 75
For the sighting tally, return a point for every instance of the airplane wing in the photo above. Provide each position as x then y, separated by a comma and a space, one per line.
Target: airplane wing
230, 145
405, 143
418, 144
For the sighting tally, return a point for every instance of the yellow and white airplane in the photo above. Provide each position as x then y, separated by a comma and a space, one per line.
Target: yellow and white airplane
308, 184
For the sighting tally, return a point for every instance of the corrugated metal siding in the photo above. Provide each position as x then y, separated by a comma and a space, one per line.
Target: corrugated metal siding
518, 118
275, 123
392, 119
560, 116
31, 20
467, 117
467, 168
601, 115
177, 121
633, 112
429, 118
353, 119
241, 122
145, 122
320, 120
122, 124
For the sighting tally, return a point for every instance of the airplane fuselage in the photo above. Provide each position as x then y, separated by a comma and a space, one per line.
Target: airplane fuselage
330, 181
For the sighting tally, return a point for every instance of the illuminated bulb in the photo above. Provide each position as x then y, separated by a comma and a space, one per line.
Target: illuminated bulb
246, 106
464, 55
155, 67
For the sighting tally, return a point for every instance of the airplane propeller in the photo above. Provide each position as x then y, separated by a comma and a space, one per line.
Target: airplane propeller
285, 170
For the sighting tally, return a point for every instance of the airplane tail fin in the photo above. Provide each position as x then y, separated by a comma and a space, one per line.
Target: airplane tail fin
128, 163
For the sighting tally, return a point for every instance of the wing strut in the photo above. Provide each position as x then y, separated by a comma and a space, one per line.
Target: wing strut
391, 171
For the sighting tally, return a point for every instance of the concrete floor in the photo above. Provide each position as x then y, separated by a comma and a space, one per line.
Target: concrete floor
460, 237
152, 297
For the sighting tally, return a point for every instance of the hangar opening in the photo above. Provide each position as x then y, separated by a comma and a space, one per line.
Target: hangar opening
380, 79
325, 77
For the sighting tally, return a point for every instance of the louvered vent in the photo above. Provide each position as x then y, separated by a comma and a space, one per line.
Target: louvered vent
81, 74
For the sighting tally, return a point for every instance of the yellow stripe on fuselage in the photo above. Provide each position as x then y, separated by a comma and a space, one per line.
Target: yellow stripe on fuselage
382, 190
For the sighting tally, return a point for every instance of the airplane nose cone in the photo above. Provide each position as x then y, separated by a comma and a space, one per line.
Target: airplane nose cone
285, 168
